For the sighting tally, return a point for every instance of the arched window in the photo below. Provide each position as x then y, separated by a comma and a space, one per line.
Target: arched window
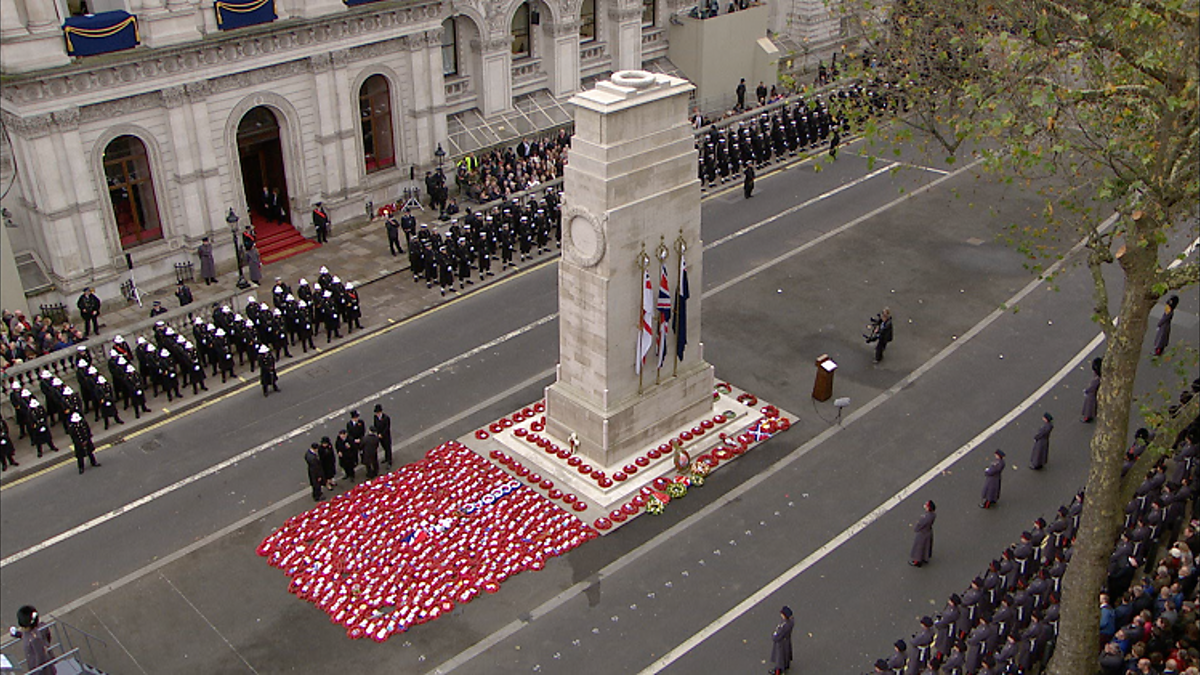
587, 21
375, 108
131, 191
449, 48
649, 13
520, 32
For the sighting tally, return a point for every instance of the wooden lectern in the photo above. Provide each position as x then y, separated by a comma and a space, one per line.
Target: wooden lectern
823, 387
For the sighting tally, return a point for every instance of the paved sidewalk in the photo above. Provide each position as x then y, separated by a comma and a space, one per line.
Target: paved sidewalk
358, 254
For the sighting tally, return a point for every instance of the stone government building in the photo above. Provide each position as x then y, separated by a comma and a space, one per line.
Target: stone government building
140, 147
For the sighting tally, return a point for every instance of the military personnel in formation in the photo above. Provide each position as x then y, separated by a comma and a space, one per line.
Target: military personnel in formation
991, 484
168, 375
39, 427
223, 354
20, 409
81, 438
106, 404
304, 326
351, 308
266, 370
8, 451
327, 311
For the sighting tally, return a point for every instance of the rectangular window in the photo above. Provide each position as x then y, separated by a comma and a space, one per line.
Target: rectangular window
649, 13
520, 32
449, 48
587, 21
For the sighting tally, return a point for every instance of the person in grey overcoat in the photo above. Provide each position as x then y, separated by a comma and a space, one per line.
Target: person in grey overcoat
1162, 337
1041, 443
991, 482
781, 642
254, 265
922, 548
1089, 394
208, 266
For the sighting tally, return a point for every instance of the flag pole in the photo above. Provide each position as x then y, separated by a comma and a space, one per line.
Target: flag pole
643, 262
680, 249
663, 253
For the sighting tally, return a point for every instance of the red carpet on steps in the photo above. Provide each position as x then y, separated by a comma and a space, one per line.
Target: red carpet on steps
277, 241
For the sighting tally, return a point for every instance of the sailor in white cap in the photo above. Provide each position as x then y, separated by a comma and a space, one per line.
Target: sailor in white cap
106, 403
351, 308
266, 370
81, 437
168, 375
39, 426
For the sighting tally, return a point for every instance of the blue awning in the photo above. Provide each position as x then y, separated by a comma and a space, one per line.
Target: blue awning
101, 33
232, 15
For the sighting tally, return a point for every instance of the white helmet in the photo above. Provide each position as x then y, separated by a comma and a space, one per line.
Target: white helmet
349, 286
304, 282
164, 353
76, 418
101, 379
56, 382
324, 269
262, 349
67, 391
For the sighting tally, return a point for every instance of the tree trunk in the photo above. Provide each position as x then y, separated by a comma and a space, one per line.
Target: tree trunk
1077, 650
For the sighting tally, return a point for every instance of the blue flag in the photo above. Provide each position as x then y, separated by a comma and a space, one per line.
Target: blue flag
679, 319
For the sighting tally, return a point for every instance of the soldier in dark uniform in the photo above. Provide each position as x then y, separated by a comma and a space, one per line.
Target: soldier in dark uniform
922, 548
1041, 443
106, 404
39, 427
445, 269
991, 483
321, 222
304, 326
71, 402
507, 242
331, 317
224, 356
382, 426
416, 259
266, 370
316, 476
347, 454
351, 309
135, 391
81, 437
191, 368
147, 359
524, 237
304, 291
20, 409
748, 181
408, 224
8, 452
464, 263
168, 375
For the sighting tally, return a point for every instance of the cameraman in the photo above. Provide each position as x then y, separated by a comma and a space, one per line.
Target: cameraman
883, 333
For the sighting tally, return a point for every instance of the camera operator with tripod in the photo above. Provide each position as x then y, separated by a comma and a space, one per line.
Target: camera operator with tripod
879, 331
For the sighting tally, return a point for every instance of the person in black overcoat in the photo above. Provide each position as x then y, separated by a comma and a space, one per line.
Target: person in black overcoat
39, 427
316, 474
347, 453
748, 181
382, 426
922, 548
328, 462
885, 333
781, 642
8, 452
991, 482
1041, 443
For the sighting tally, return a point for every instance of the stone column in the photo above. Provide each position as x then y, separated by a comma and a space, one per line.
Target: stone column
42, 48
626, 40
10, 21
564, 67
332, 178
428, 97
189, 176
631, 185
211, 215
495, 82
41, 16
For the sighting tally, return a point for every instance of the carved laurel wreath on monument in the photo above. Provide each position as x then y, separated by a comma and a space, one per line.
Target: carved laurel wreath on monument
585, 235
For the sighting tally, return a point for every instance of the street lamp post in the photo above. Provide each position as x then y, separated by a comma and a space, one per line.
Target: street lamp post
441, 155
232, 219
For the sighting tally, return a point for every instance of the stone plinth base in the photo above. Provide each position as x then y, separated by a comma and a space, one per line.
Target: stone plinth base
609, 495
609, 437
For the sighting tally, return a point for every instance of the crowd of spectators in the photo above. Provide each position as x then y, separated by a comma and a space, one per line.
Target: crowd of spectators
22, 339
500, 173
1007, 620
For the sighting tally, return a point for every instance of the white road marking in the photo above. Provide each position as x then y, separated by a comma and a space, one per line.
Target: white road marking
146, 499
1185, 255
210, 624
805, 204
736, 492
879, 511
298, 431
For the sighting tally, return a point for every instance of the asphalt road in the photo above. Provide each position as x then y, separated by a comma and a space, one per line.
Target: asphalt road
154, 551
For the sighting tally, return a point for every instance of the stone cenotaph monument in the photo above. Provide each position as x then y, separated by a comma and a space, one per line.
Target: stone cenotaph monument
631, 221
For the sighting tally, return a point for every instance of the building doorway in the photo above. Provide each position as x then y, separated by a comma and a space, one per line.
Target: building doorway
263, 177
